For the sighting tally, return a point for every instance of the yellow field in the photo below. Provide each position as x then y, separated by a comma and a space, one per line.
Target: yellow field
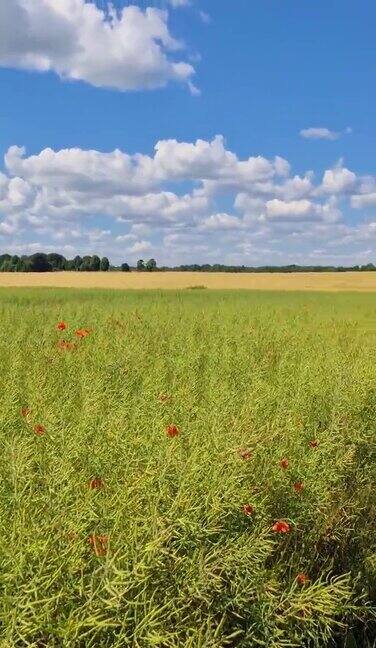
327, 281
187, 468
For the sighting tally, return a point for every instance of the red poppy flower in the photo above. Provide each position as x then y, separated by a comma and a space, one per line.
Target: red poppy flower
281, 527
245, 454
248, 509
96, 483
61, 326
302, 579
25, 412
284, 463
298, 487
99, 544
66, 346
172, 431
314, 443
39, 429
82, 332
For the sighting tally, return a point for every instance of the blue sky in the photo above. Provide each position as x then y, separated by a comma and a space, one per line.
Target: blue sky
89, 92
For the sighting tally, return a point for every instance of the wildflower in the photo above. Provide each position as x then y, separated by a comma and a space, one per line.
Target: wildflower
39, 429
281, 527
99, 544
66, 346
172, 431
25, 412
248, 509
163, 398
284, 463
82, 332
302, 579
61, 326
96, 483
298, 487
245, 454
313, 443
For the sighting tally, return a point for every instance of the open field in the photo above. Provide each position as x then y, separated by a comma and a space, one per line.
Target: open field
250, 521
325, 281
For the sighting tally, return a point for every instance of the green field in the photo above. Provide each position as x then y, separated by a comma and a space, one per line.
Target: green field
158, 551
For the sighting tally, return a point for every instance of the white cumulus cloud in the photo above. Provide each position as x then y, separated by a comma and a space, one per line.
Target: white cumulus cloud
295, 209
338, 180
323, 133
129, 49
140, 246
362, 201
188, 201
221, 221
179, 3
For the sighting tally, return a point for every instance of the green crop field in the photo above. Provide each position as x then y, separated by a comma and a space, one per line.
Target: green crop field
194, 469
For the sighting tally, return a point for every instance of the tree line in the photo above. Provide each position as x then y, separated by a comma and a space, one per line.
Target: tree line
218, 267
52, 262
41, 262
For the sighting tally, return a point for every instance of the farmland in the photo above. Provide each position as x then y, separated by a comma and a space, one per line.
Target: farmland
187, 468
312, 281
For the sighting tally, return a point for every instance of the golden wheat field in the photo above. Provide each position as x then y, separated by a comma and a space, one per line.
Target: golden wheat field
323, 281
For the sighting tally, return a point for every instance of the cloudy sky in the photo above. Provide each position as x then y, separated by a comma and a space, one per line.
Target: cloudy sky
189, 130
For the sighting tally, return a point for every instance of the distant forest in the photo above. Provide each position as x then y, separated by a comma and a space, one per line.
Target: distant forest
53, 262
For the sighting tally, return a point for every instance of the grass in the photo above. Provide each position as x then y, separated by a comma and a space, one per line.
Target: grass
174, 562
311, 281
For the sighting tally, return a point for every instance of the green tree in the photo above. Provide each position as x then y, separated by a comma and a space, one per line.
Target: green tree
4, 259
95, 263
20, 264
15, 263
125, 267
140, 265
86, 264
151, 265
105, 264
39, 263
57, 261
25, 263
77, 261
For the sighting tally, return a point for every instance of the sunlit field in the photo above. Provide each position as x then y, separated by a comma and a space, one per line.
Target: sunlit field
187, 469
312, 281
